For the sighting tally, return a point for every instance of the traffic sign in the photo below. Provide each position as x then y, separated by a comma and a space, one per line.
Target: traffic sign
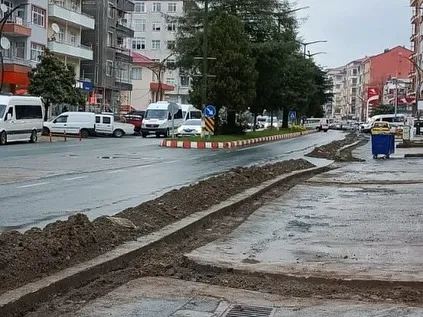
209, 125
292, 115
173, 108
209, 111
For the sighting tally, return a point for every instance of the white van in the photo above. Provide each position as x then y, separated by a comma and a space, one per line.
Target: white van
399, 118
324, 125
190, 112
158, 120
72, 123
21, 118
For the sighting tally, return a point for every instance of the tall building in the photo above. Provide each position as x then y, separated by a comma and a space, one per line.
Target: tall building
65, 25
155, 28
351, 93
111, 67
416, 75
337, 76
26, 30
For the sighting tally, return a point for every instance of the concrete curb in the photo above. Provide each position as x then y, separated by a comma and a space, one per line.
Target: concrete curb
25, 298
233, 144
345, 147
415, 155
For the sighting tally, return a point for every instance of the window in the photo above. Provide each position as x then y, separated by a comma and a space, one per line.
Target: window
73, 38
38, 16
170, 81
28, 112
170, 45
20, 50
138, 43
140, 25
171, 7
111, 11
184, 81
338, 86
139, 7
156, 26
109, 38
61, 119
137, 73
97, 119
109, 68
107, 120
157, 7
171, 27
155, 44
171, 64
36, 51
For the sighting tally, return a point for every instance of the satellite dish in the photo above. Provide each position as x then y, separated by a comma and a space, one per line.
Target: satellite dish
3, 8
55, 27
5, 43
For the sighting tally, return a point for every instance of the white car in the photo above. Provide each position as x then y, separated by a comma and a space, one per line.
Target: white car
190, 127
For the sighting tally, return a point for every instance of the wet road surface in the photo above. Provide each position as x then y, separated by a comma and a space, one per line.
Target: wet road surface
44, 182
361, 221
152, 297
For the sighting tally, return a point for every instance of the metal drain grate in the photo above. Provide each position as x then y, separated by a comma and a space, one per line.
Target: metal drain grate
250, 311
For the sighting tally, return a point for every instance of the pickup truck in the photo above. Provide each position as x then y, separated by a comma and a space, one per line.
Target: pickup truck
106, 124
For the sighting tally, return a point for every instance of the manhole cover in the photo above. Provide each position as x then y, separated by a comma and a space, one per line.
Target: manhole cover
250, 311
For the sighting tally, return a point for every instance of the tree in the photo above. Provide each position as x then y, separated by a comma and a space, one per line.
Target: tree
382, 109
55, 82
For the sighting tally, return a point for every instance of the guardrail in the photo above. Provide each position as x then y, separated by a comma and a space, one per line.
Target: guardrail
65, 136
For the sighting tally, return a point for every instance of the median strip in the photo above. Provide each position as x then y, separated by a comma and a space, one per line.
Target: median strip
191, 144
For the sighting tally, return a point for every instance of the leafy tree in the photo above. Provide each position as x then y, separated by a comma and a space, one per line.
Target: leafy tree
382, 109
54, 82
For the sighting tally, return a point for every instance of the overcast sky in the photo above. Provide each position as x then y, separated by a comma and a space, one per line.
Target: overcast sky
353, 28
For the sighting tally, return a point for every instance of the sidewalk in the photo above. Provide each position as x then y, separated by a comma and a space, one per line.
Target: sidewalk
163, 297
360, 222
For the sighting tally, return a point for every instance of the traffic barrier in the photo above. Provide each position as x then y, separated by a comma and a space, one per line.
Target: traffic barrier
64, 134
80, 136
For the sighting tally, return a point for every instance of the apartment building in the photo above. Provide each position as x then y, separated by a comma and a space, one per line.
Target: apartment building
415, 74
155, 34
26, 30
352, 89
111, 67
337, 76
66, 22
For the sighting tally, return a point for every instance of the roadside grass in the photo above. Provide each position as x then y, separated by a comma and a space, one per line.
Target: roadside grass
246, 136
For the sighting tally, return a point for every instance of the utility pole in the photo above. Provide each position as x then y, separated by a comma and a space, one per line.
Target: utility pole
205, 52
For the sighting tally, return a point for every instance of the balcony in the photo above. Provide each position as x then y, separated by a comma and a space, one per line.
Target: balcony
123, 26
414, 17
413, 3
70, 15
70, 49
16, 27
126, 5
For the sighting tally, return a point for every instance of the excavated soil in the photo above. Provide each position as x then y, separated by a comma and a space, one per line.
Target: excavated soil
331, 151
28, 256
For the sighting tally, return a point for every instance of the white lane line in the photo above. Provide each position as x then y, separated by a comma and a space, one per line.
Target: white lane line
32, 185
114, 172
74, 178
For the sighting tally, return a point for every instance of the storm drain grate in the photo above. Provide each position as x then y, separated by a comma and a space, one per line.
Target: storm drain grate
250, 311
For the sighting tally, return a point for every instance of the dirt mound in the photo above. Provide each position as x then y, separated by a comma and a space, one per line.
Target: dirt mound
331, 151
37, 253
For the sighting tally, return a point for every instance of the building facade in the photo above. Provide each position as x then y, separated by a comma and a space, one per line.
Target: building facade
416, 65
155, 26
66, 21
352, 89
26, 30
337, 76
111, 67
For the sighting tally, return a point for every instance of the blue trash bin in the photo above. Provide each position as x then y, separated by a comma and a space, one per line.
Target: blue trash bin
383, 144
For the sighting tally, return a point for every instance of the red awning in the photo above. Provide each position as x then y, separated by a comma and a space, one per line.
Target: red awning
165, 87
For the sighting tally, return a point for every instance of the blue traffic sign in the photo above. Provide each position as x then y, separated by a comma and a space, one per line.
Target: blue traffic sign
209, 111
292, 115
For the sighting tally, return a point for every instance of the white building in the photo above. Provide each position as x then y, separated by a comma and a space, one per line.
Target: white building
337, 76
352, 93
66, 43
155, 35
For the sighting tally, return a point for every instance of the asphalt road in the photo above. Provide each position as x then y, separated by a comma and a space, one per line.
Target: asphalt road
45, 182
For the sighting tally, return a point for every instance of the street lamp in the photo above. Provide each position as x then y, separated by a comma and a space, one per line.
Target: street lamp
310, 43
4, 42
311, 55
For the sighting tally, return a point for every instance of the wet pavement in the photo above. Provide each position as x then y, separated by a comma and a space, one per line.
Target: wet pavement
361, 221
44, 182
162, 297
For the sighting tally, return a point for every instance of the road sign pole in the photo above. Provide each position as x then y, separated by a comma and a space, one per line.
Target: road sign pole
173, 126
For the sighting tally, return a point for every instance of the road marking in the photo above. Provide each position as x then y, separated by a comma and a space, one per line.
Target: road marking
75, 178
32, 185
114, 172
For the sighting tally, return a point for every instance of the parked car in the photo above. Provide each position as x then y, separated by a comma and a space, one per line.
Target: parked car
21, 118
135, 118
106, 124
190, 128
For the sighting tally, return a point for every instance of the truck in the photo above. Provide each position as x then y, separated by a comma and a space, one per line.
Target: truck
106, 124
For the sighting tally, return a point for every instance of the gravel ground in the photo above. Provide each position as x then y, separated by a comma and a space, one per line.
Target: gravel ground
38, 253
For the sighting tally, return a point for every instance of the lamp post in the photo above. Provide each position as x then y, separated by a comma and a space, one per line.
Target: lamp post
4, 42
310, 43
311, 55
